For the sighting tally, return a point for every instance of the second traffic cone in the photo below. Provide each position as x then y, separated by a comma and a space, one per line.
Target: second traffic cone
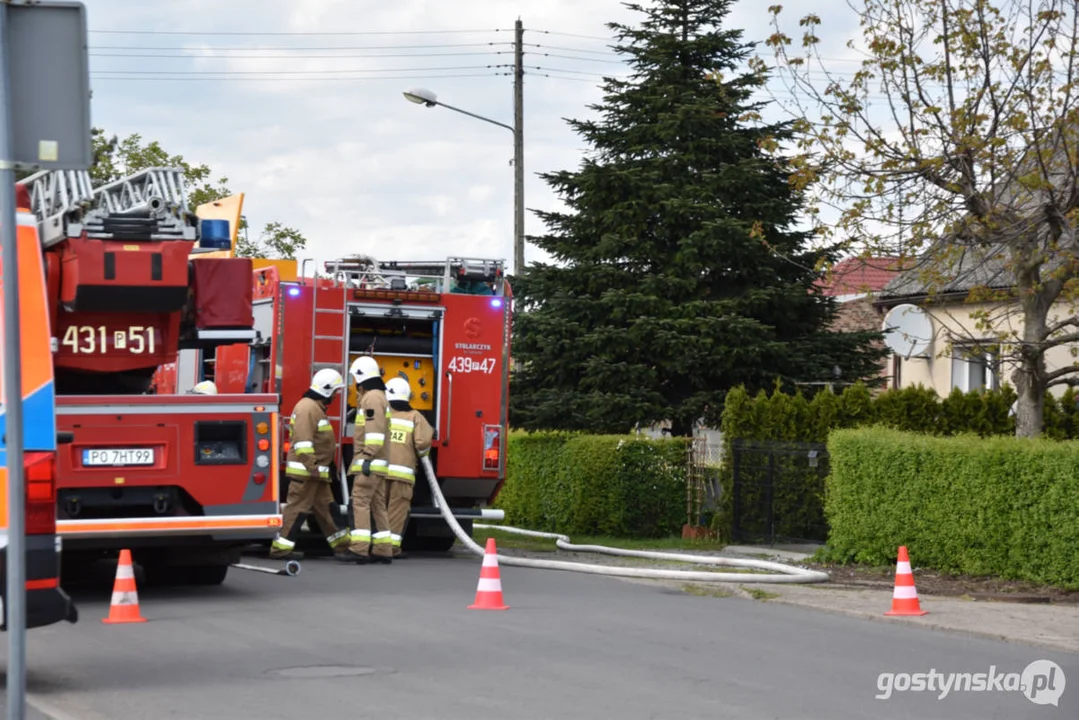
489, 589
125, 599
905, 596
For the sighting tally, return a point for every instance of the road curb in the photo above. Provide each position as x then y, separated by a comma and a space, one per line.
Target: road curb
47, 709
923, 622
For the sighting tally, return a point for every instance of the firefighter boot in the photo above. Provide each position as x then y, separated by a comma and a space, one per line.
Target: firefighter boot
284, 549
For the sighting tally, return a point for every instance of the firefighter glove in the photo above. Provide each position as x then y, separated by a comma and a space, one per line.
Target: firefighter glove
366, 470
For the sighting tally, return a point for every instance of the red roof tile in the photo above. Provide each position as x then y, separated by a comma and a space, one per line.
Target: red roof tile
858, 276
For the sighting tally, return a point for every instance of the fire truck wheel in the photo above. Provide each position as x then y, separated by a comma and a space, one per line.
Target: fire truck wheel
429, 544
207, 574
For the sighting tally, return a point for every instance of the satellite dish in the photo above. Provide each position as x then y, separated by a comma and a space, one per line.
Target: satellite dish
908, 331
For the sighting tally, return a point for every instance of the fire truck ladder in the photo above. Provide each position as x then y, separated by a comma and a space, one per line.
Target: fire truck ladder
331, 351
362, 271
148, 205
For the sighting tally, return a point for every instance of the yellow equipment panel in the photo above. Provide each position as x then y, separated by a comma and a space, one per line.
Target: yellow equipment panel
419, 371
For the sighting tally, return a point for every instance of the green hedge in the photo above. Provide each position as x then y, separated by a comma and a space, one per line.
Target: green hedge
795, 418
999, 506
617, 485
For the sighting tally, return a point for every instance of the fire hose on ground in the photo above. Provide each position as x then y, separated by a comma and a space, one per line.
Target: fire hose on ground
782, 573
291, 568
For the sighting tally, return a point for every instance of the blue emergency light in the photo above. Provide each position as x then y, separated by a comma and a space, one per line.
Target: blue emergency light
215, 235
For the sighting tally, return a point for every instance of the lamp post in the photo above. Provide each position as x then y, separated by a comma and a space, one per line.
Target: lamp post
424, 97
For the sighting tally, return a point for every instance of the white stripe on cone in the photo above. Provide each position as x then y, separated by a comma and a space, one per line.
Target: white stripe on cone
489, 585
490, 561
902, 568
124, 572
125, 598
905, 592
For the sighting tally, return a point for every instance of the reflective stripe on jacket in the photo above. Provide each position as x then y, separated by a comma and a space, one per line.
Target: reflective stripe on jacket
369, 435
312, 442
410, 440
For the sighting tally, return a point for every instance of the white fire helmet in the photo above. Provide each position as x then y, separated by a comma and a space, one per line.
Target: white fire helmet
326, 382
364, 368
398, 389
206, 387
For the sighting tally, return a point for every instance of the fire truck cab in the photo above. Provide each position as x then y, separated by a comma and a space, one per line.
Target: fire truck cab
442, 325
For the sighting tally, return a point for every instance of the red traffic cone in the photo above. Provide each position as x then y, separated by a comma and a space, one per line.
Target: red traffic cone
489, 589
125, 599
905, 597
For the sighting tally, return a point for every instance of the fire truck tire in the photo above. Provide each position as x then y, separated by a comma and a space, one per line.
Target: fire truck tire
429, 544
206, 574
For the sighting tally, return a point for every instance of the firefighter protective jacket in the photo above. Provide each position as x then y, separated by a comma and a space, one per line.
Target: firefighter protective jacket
312, 441
410, 440
369, 435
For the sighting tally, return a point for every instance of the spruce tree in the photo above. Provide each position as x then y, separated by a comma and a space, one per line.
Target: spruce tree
679, 273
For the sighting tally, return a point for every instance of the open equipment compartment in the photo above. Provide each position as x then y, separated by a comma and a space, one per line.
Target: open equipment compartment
405, 341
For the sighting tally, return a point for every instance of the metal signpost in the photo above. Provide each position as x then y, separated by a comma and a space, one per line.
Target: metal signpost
44, 124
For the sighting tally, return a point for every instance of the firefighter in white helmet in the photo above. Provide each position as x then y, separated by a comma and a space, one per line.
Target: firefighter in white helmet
368, 468
312, 450
410, 440
206, 387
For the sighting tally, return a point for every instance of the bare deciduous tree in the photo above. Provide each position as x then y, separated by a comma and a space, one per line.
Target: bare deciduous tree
955, 145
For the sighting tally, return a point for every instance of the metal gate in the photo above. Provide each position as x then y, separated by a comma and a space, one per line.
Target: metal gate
778, 491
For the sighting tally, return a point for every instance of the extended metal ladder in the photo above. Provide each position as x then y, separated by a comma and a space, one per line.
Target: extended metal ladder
331, 351
150, 204
365, 272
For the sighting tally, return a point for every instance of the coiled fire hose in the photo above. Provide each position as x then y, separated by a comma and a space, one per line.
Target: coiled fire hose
784, 573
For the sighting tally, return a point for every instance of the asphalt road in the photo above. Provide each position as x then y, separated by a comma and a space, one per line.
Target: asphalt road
398, 642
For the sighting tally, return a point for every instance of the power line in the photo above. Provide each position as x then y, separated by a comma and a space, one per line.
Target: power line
571, 49
296, 34
298, 72
573, 35
560, 77
574, 57
368, 78
568, 70
298, 57
189, 48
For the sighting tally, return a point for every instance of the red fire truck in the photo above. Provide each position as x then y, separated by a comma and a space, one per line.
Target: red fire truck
443, 325
184, 481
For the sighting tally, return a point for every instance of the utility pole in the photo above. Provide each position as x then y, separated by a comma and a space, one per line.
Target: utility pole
518, 150
12, 405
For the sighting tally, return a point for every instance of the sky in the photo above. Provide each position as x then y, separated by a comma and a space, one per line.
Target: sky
300, 106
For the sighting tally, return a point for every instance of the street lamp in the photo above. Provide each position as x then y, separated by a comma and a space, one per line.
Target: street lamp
422, 96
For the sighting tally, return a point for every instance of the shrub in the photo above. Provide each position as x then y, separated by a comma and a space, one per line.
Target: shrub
575, 484
997, 506
791, 418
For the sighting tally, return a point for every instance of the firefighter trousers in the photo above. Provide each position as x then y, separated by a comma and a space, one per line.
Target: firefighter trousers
307, 497
369, 501
400, 500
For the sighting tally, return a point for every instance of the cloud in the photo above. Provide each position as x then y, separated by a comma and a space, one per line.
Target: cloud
330, 146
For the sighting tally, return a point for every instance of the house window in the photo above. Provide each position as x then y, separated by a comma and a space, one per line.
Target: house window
975, 368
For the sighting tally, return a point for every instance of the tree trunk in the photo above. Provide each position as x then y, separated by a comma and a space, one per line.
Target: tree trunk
1029, 377
681, 428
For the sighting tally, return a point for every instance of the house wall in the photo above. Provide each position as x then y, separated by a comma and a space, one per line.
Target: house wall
954, 324
860, 314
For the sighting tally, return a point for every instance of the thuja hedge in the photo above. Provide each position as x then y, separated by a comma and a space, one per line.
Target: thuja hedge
996, 506
617, 485
780, 416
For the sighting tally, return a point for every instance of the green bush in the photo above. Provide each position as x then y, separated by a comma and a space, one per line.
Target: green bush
998, 506
618, 485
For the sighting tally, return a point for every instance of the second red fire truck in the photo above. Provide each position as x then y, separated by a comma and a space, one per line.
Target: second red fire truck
184, 481
442, 325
